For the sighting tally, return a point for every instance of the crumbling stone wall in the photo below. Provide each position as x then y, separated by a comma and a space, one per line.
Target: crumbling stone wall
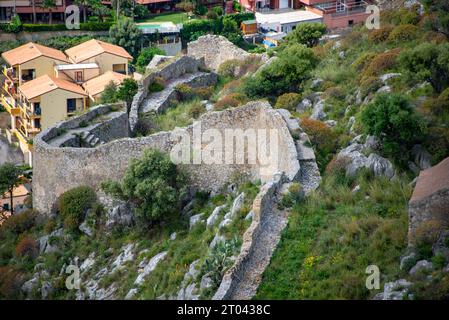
57, 170
215, 50
167, 70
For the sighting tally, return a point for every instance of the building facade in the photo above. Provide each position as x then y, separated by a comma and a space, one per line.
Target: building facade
26, 9
335, 14
42, 86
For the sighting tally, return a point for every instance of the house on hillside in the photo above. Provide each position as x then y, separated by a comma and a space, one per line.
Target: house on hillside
42, 86
25, 10
107, 56
335, 14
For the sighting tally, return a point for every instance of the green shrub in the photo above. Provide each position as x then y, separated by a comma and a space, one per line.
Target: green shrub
427, 62
439, 261
307, 34
204, 93
294, 195
196, 109
10, 282
145, 56
395, 123
369, 85
380, 35
73, 205
228, 68
154, 185
158, 84
184, 91
21, 222
226, 102
27, 247
288, 101
405, 32
381, 63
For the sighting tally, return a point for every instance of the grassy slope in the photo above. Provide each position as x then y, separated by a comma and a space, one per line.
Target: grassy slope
334, 235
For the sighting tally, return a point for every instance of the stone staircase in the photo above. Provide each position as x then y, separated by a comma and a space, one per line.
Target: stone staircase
90, 139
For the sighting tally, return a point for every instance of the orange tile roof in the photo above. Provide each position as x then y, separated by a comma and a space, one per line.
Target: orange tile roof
96, 85
32, 51
432, 180
45, 84
92, 48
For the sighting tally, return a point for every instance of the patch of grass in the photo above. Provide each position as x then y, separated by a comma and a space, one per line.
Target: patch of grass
178, 17
334, 235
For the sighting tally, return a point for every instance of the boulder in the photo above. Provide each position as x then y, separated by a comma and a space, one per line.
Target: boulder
173, 236
422, 265
380, 166
152, 264
396, 290
441, 245
194, 220
384, 89
236, 206
131, 293
388, 76
224, 223
206, 282
120, 215
250, 215
126, 255
304, 105
422, 158
330, 123
316, 83
318, 111
88, 263
157, 60
46, 290
217, 239
213, 218
292, 123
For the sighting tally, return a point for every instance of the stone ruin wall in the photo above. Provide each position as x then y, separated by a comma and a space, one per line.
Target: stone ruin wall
57, 170
171, 69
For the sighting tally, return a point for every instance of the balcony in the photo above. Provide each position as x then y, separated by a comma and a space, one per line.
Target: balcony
11, 74
343, 8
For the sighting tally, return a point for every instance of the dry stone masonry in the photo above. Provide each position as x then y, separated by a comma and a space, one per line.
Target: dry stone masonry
98, 146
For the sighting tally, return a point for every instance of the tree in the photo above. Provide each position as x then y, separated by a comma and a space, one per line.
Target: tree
441, 9
109, 94
231, 30
146, 55
283, 75
186, 6
307, 34
11, 176
86, 4
33, 4
127, 91
427, 62
126, 34
49, 4
392, 120
153, 184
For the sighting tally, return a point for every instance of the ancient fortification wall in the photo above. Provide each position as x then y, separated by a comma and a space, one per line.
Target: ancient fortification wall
58, 169
168, 70
215, 50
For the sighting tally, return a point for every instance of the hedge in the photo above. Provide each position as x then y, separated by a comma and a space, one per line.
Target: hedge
85, 26
211, 26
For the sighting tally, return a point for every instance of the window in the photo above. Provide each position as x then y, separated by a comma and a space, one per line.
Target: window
119, 68
37, 108
350, 23
71, 105
78, 76
37, 123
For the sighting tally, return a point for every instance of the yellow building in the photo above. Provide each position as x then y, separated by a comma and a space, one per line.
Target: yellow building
107, 56
43, 86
